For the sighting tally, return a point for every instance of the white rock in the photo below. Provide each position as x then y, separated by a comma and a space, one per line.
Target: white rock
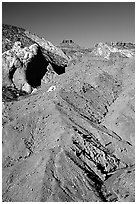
27, 88
34, 91
26, 55
52, 88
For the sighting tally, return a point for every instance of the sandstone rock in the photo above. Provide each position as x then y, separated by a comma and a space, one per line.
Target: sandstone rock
19, 78
53, 54
27, 88
15, 63
30, 52
34, 91
52, 88
12, 34
104, 49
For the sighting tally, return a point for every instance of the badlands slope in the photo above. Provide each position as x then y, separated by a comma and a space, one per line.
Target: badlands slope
68, 120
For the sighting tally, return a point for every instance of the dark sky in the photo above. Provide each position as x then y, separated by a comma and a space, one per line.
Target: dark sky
84, 23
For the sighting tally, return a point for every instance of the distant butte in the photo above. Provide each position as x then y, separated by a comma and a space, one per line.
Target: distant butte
69, 43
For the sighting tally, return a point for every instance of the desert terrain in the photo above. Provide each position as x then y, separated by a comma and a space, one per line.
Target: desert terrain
68, 116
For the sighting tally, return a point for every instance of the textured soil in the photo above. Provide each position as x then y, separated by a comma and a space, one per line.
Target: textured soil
75, 143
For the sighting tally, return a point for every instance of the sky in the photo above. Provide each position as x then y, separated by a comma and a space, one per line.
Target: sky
86, 23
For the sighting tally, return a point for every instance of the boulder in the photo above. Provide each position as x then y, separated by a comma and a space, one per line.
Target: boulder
26, 87
15, 65
19, 81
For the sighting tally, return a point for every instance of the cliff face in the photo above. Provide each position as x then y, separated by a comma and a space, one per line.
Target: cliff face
73, 139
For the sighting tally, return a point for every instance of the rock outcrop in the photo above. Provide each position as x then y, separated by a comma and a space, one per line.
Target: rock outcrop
106, 49
25, 58
12, 34
53, 54
15, 65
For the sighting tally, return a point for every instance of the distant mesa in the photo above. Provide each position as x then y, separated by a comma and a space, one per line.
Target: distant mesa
69, 44
73, 50
67, 41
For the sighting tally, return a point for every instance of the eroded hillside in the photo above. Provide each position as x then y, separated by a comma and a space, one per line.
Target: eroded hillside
71, 138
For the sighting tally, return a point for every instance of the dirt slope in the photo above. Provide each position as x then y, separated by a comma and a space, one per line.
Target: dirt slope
73, 139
